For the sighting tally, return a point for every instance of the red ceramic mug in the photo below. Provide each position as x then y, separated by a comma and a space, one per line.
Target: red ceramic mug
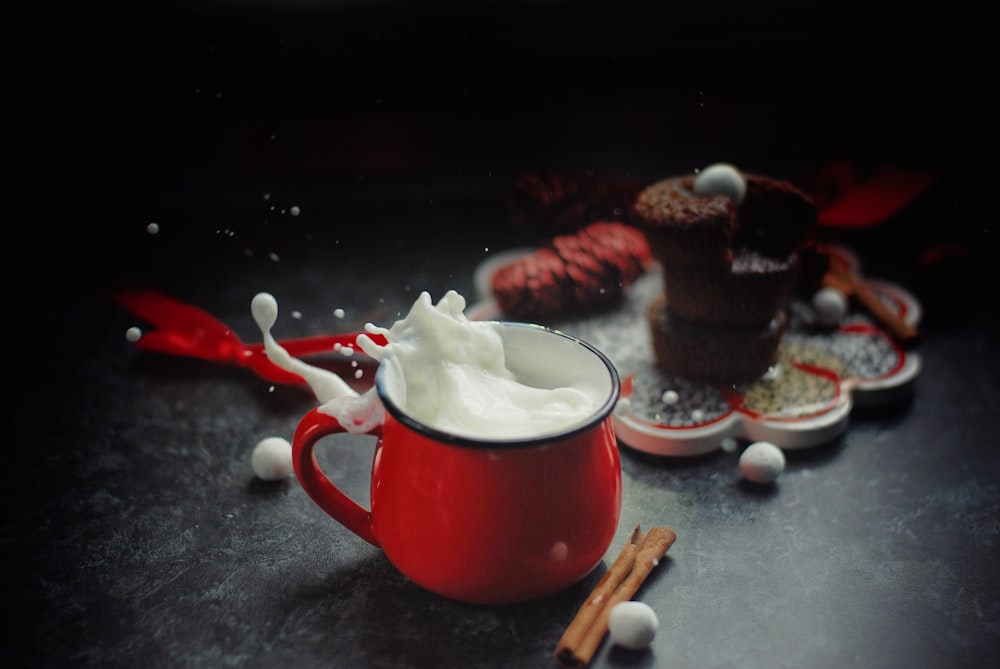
479, 520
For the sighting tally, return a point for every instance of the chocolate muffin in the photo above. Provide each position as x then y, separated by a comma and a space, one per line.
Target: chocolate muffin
755, 287
728, 244
685, 230
709, 353
775, 218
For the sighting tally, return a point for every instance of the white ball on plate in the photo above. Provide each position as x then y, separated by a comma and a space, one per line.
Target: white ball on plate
762, 462
829, 305
632, 624
721, 179
272, 458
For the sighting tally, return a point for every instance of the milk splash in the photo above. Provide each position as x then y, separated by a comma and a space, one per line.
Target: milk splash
446, 371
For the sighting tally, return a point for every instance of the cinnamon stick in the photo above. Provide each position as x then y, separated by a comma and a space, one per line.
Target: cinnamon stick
575, 634
585, 634
843, 278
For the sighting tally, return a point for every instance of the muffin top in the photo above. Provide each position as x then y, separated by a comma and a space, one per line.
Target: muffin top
672, 203
773, 217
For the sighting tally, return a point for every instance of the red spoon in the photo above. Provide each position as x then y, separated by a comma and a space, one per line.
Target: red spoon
187, 331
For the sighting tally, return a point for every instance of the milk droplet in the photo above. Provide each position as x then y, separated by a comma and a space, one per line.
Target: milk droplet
325, 384
133, 334
153, 228
339, 313
264, 309
294, 211
670, 397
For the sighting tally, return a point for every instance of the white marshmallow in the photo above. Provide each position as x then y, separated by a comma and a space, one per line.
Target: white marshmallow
272, 459
829, 305
721, 179
632, 624
762, 462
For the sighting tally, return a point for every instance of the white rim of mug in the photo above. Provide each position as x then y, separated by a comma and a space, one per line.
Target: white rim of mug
597, 417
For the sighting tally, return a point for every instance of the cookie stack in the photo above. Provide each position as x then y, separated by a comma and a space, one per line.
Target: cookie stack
574, 274
728, 245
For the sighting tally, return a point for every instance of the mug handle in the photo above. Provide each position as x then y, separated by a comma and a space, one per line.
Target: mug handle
314, 426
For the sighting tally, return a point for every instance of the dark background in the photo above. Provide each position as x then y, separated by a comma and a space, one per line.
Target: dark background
172, 107
189, 114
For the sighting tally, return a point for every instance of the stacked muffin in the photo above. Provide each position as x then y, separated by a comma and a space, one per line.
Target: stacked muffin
728, 245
